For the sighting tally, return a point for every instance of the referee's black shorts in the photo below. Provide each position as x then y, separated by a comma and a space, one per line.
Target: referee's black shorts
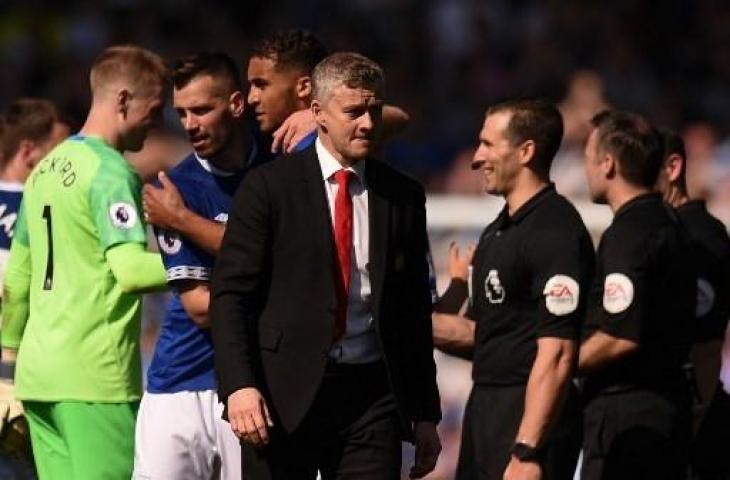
491, 420
709, 449
636, 434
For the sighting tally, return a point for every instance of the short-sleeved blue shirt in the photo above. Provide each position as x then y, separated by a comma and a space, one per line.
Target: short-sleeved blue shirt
183, 358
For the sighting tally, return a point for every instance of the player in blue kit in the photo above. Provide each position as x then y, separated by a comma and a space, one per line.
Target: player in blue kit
180, 433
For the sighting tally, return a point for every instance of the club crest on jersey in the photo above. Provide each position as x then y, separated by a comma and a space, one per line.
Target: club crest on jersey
123, 215
561, 295
493, 287
618, 293
169, 242
705, 297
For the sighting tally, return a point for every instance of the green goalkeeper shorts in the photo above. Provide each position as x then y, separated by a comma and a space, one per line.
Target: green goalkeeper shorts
82, 441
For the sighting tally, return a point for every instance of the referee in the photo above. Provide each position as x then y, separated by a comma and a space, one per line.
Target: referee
640, 313
530, 270
712, 260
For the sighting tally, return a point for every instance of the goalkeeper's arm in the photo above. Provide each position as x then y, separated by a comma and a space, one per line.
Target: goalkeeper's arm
15, 299
135, 269
14, 317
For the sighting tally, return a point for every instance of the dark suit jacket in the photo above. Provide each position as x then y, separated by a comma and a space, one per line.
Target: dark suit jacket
273, 290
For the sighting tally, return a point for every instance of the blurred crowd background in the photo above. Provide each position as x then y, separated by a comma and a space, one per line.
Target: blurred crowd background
446, 61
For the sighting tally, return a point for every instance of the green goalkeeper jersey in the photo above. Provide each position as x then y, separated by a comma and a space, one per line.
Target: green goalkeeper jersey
81, 340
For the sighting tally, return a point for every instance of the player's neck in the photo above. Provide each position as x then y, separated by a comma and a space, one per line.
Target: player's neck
622, 193
234, 157
525, 188
676, 196
16, 171
98, 124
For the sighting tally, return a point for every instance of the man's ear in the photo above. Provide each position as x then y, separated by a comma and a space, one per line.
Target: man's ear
303, 87
609, 165
527, 152
237, 104
673, 166
25, 148
316, 108
124, 96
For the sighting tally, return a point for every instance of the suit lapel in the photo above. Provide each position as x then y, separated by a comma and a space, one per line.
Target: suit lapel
379, 222
318, 215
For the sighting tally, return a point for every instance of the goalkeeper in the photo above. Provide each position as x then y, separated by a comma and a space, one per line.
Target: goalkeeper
71, 304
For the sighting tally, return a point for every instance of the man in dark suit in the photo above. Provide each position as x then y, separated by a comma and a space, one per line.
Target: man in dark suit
321, 303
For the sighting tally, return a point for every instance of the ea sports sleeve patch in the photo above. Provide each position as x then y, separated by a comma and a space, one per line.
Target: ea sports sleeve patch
561, 295
618, 293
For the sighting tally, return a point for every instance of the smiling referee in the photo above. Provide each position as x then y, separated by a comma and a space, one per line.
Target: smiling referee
531, 269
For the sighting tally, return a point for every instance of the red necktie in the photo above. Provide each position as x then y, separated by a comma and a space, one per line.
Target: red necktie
343, 242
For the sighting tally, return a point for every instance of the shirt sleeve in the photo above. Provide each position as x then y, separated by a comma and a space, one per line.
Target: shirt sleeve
183, 259
116, 206
16, 298
559, 264
713, 286
625, 289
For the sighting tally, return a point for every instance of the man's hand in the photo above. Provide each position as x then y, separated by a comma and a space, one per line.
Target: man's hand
299, 124
10, 408
249, 416
428, 447
458, 264
519, 470
163, 206
14, 435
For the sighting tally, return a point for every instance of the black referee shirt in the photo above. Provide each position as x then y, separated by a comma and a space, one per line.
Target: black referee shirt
531, 272
712, 261
645, 291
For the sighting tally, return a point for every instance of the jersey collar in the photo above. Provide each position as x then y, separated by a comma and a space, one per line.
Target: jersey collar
530, 205
644, 197
693, 206
11, 186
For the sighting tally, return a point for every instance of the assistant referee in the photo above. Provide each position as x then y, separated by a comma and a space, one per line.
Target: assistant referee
640, 313
711, 256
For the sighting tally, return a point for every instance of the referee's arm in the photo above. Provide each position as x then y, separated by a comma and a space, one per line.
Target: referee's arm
545, 387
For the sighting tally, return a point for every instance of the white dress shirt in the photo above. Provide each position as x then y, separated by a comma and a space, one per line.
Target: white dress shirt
360, 342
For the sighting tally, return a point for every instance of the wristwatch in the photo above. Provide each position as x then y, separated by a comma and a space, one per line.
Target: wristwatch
525, 452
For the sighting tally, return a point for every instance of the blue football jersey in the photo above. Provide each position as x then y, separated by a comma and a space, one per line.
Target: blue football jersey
183, 358
262, 152
11, 194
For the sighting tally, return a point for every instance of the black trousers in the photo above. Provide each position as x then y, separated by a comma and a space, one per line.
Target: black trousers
491, 421
351, 432
711, 446
636, 435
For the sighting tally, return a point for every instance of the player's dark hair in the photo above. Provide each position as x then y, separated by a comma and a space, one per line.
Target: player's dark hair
634, 142
537, 120
291, 49
215, 64
25, 119
673, 144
